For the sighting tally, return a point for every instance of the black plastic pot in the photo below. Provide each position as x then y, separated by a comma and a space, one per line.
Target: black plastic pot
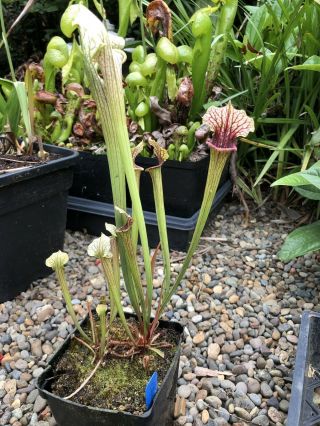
68, 413
183, 183
33, 211
91, 178
84, 214
302, 409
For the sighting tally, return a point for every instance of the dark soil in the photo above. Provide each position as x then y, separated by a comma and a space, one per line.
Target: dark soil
119, 384
11, 162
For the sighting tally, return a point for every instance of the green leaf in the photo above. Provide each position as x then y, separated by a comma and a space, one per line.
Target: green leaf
280, 120
303, 240
315, 139
225, 100
99, 8
311, 64
307, 177
157, 351
6, 85
264, 62
315, 123
23, 102
3, 105
13, 112
134, 12
309, 192
17, 103
258, 21
298, 179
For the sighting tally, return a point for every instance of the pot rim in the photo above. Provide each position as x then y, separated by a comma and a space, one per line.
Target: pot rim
68, 158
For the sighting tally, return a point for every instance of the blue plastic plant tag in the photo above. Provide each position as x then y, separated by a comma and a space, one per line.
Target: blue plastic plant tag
151, 389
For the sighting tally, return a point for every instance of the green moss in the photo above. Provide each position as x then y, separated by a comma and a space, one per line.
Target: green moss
119, 384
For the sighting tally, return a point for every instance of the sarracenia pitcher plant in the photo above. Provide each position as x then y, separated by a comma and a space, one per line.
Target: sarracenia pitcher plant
103, 58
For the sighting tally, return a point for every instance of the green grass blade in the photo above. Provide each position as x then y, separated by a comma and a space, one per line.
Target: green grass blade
283, 142
20, 89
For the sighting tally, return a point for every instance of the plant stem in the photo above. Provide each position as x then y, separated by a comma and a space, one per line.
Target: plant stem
115, 128
109, 124
217, 163
92, 323
136, 204
159, 80
107, 90
142, 29
135, 231
108, 273
103, 333
67, 298
156, 176
5, 41
116, 275
158, 86
135, 291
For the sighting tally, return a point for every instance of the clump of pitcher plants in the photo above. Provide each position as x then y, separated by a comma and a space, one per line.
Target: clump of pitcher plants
117, 248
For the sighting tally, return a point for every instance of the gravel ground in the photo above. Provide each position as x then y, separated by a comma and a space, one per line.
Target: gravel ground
239, 304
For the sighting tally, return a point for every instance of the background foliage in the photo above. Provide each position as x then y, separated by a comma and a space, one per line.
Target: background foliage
271, 70
31, 36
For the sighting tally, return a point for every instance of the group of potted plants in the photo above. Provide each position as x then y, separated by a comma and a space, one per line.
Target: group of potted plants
108, 340
52, 105
151, 129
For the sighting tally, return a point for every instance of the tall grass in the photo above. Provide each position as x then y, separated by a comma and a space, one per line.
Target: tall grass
265, 72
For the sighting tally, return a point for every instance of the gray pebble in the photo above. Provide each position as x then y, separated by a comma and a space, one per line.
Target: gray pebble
265, 390
227, 384
196, 319
184, 391
37, 372
261, 420
284, 405
32, 396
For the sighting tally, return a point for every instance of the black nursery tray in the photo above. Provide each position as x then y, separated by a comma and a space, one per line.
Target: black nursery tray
303, 409
92, 216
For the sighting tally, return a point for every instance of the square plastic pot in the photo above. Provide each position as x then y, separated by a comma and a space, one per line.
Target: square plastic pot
68, 413
183, 183
306, 379
33, 212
